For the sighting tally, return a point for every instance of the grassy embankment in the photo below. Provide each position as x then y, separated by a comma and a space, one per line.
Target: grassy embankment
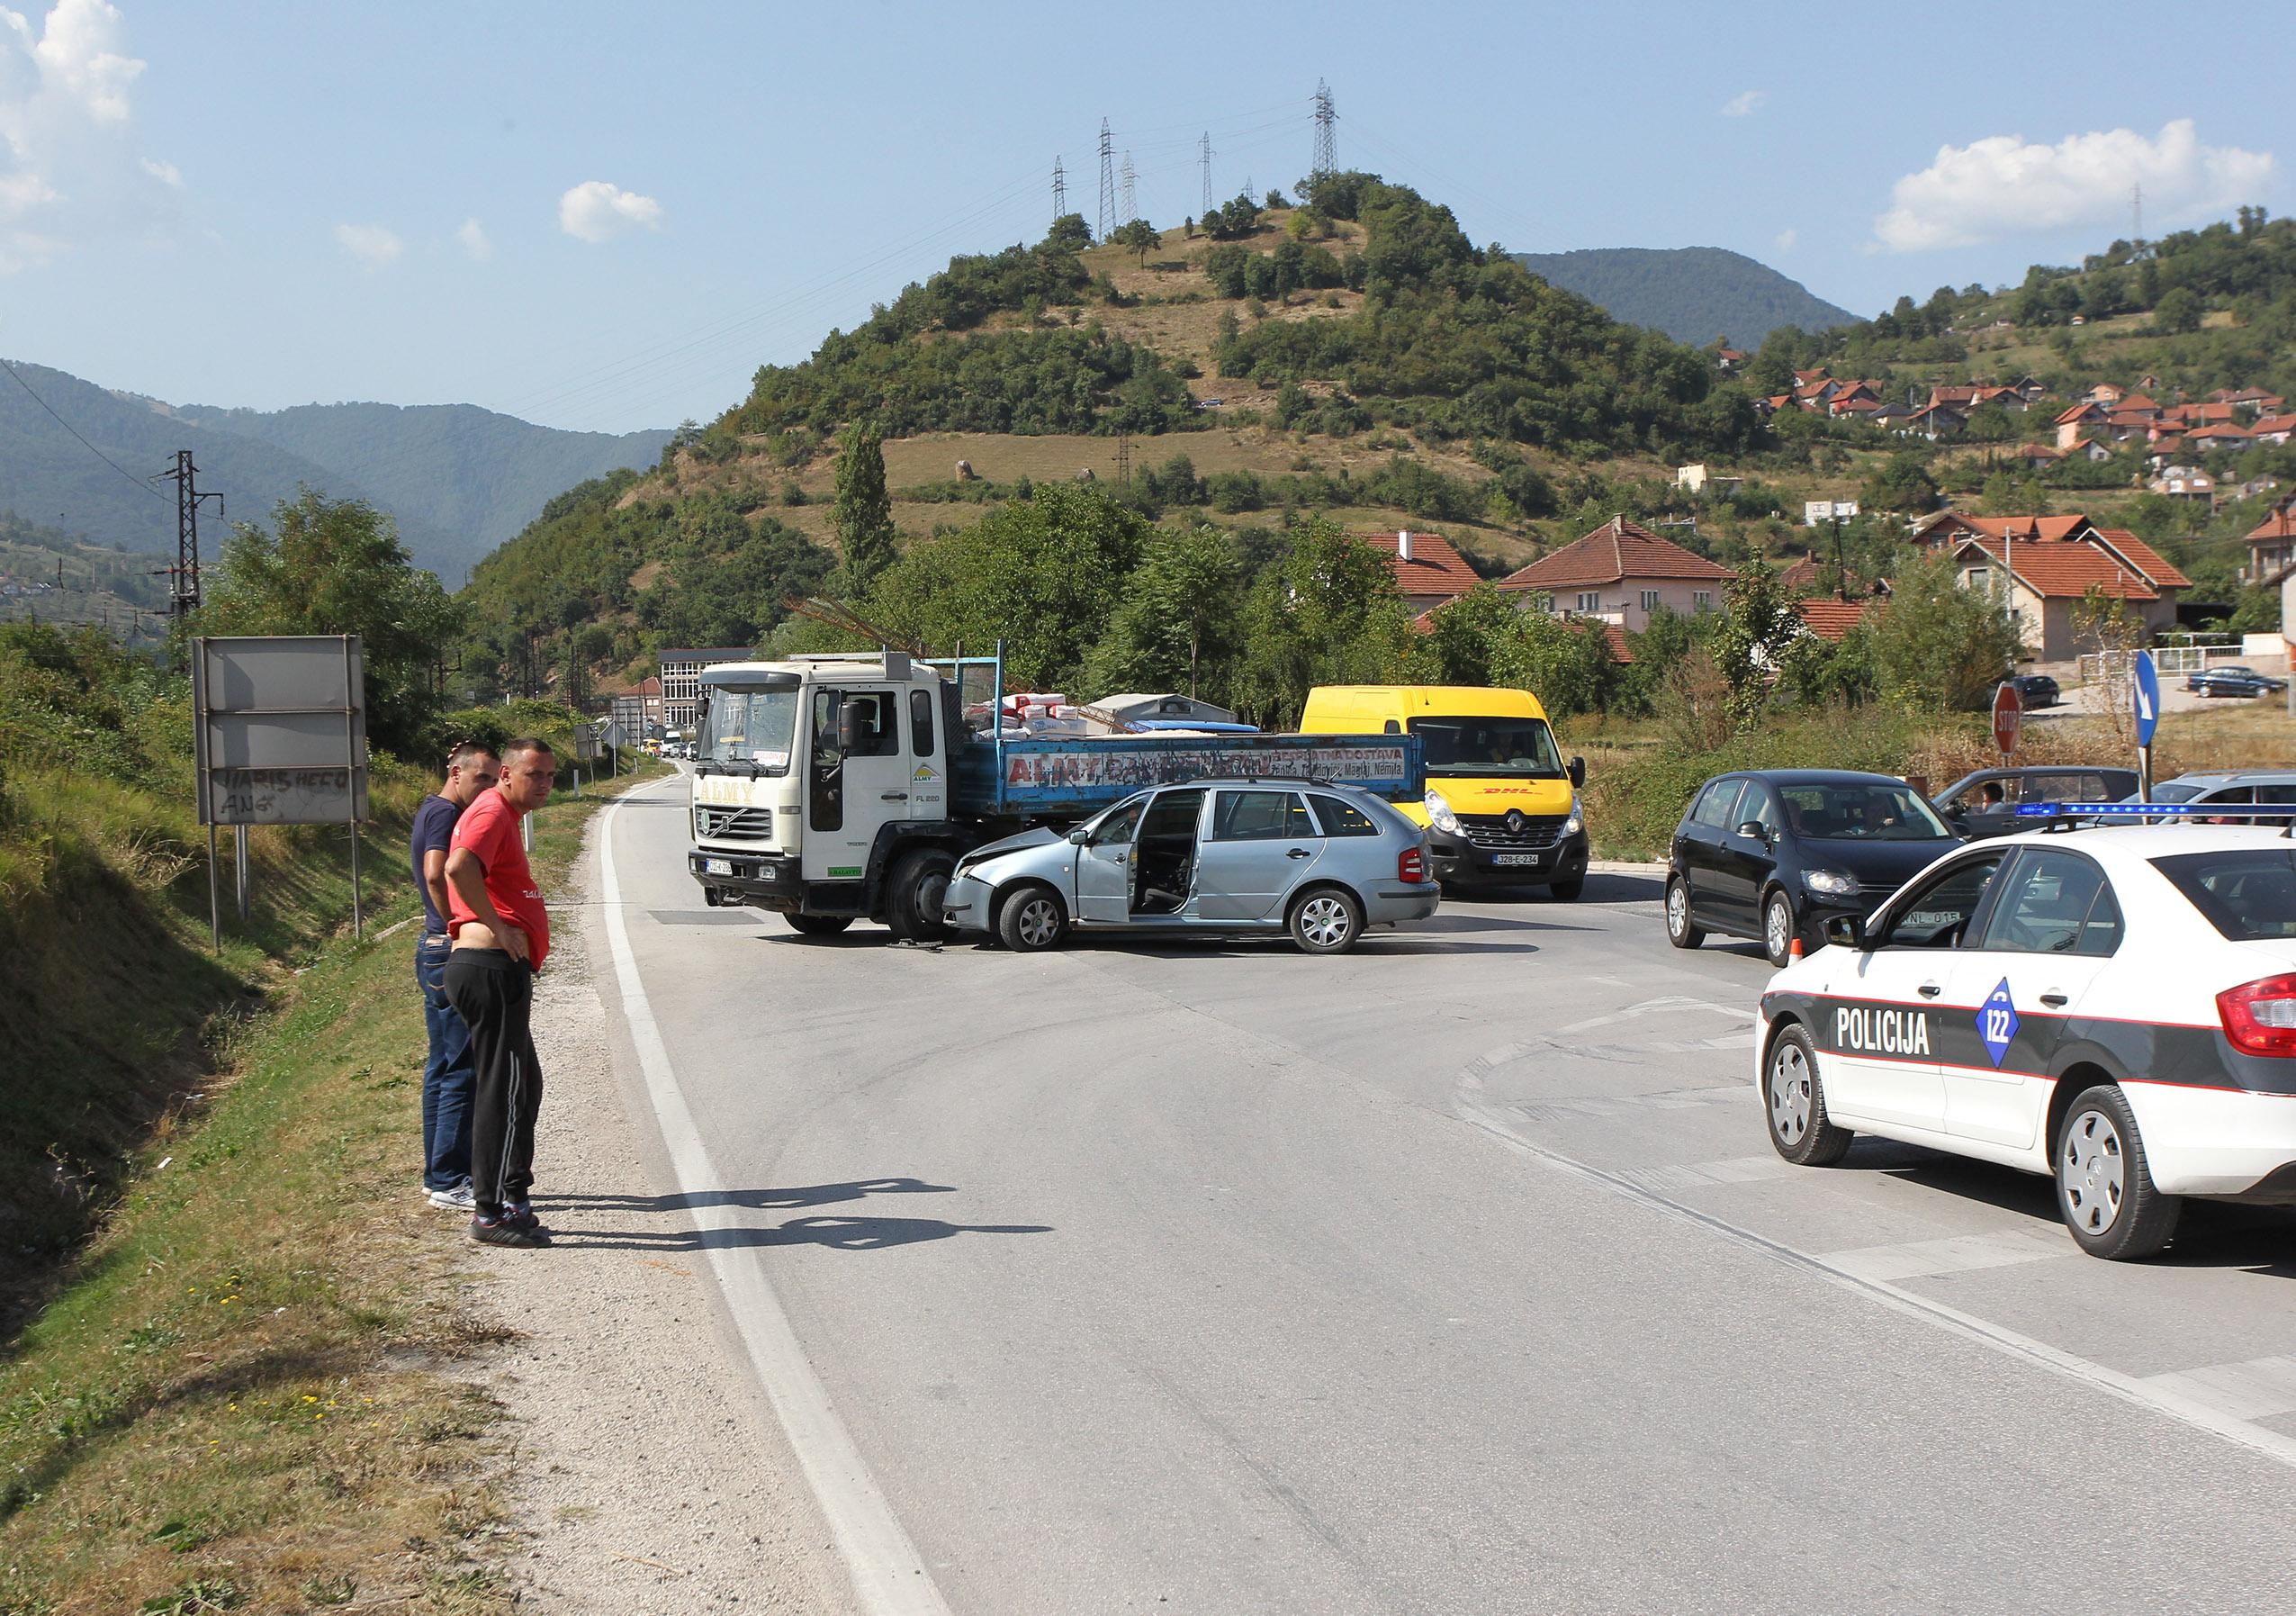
239, 1395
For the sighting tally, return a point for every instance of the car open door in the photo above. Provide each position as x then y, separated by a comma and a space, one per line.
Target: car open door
1104, 866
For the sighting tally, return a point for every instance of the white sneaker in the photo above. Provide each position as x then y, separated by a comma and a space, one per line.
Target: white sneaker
457, 1199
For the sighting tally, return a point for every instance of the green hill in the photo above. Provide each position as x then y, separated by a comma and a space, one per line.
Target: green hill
459, 480
1692, 293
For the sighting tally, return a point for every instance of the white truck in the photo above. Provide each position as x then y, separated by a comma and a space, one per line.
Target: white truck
835, 788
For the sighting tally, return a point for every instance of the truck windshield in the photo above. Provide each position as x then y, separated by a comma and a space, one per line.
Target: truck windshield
1518, 748
756, 728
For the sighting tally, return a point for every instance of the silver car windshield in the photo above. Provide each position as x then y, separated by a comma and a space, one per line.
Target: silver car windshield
753, 727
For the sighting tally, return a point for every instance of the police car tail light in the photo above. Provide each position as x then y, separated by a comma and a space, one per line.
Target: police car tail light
1410, 865
2260, 1017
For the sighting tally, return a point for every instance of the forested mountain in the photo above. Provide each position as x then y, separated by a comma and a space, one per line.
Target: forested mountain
454, 469
1692, 293
459, 480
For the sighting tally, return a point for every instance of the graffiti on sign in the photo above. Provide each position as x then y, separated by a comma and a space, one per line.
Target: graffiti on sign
1102, 768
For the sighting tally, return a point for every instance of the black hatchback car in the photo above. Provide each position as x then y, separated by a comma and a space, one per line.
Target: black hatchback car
1773, 853
2036, 690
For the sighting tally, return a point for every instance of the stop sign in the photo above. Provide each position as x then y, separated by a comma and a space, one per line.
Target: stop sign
2008, 717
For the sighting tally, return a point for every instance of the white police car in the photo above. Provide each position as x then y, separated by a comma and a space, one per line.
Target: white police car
2115, 1007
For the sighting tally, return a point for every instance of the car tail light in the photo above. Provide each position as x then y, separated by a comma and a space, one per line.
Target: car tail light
1411, 865
2260, 1017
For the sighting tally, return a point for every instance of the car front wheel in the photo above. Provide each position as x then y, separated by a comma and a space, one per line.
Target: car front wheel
1777, 928
1794, 1097
1032, 920
2104, 1186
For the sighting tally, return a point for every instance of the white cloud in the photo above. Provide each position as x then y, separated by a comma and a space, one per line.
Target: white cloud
472, 235
371, 245
1786, 239
595, 211
69, 172
1742, 104
2005, 185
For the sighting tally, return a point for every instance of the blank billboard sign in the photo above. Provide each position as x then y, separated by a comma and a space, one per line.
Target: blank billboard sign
281, 726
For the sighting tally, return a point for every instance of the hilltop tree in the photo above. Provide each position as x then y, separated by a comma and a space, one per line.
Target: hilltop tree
862, 513
1140, 236
336, 567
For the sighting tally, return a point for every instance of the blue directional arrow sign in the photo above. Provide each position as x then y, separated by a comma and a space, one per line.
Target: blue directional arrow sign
2147, 698
1997, 1022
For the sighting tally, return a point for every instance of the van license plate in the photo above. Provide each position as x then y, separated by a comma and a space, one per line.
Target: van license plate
1530, 859
718, 866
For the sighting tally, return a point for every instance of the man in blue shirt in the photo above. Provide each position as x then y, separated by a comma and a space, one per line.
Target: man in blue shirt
448, 1074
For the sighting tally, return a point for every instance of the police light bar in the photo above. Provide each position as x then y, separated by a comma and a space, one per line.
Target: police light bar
2274, 811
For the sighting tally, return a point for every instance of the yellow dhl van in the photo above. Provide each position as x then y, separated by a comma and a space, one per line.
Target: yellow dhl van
1502, 806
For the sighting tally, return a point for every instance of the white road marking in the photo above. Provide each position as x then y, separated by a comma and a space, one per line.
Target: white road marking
889, 1576
2158, 1393
1913, 1259
2256, 1390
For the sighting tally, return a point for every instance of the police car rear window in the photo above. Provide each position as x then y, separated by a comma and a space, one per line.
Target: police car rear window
2247, 893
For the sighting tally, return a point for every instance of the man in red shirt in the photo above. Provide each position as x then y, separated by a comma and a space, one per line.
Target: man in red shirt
501, 937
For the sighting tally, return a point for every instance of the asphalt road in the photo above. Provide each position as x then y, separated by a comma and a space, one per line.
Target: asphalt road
1455, 1275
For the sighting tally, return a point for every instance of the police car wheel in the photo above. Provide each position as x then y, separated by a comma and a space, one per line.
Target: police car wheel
2104, 1188
1777, 928
1680, 932
1793, 1099
1031, 920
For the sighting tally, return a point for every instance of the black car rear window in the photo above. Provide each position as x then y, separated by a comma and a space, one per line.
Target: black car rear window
2247, 893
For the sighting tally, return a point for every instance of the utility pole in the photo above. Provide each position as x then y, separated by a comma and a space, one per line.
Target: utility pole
184, 574
1326, 145
1108, 219
1124, 202
2136, 214
1059, 191
1203, 161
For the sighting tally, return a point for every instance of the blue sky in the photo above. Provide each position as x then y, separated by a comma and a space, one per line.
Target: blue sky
606, 216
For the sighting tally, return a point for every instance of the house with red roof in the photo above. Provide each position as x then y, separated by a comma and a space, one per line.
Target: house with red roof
2272, 544
1620, 573
2077, 421
1830, 619
2043, 583
2219, 435
1427, 569
2272, 428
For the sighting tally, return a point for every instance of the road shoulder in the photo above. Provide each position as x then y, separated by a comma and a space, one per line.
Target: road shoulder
648, 1473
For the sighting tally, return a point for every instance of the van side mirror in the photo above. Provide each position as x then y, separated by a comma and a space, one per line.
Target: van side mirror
1849, 931
1578, 772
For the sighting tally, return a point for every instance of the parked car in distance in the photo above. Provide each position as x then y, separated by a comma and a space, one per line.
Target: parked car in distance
2036, 690
1772, 853
1319, 862
1985, 804
2229, 787
2235, 680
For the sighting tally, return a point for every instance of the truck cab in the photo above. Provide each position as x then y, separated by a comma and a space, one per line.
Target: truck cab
1501, 807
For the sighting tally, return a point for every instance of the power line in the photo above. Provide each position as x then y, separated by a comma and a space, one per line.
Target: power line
84, 444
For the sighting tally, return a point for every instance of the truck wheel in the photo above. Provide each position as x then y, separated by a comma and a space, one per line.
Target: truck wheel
1325, 921
818, 926
919, 884
1031, 920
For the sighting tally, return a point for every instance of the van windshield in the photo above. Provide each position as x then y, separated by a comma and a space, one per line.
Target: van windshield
750, 728
1514, 748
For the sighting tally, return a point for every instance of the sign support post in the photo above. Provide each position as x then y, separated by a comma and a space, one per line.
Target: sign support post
2146, 699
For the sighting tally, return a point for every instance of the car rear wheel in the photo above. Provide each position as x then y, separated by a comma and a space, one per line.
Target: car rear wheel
1325, 921
1777, 928
1794, 1097
1032, 920
2104, 1186
1680, 932
818, 926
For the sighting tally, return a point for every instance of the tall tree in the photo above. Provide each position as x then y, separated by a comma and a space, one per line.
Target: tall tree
1328, 612
862, 514
1180, 624
336, 567
1758, 624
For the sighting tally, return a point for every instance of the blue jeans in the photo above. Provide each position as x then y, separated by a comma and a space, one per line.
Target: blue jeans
447, 1077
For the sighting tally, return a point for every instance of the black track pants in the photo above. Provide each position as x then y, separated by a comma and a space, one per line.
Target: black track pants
495, 995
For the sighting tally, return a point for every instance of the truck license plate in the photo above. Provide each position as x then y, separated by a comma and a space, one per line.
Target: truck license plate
718, 866
1515, 858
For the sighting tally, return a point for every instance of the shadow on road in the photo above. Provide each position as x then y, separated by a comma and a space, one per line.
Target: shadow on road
1600, 887
834, 1233
757, 1200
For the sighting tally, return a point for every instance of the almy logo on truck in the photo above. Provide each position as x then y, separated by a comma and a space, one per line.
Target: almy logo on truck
1881, 1032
